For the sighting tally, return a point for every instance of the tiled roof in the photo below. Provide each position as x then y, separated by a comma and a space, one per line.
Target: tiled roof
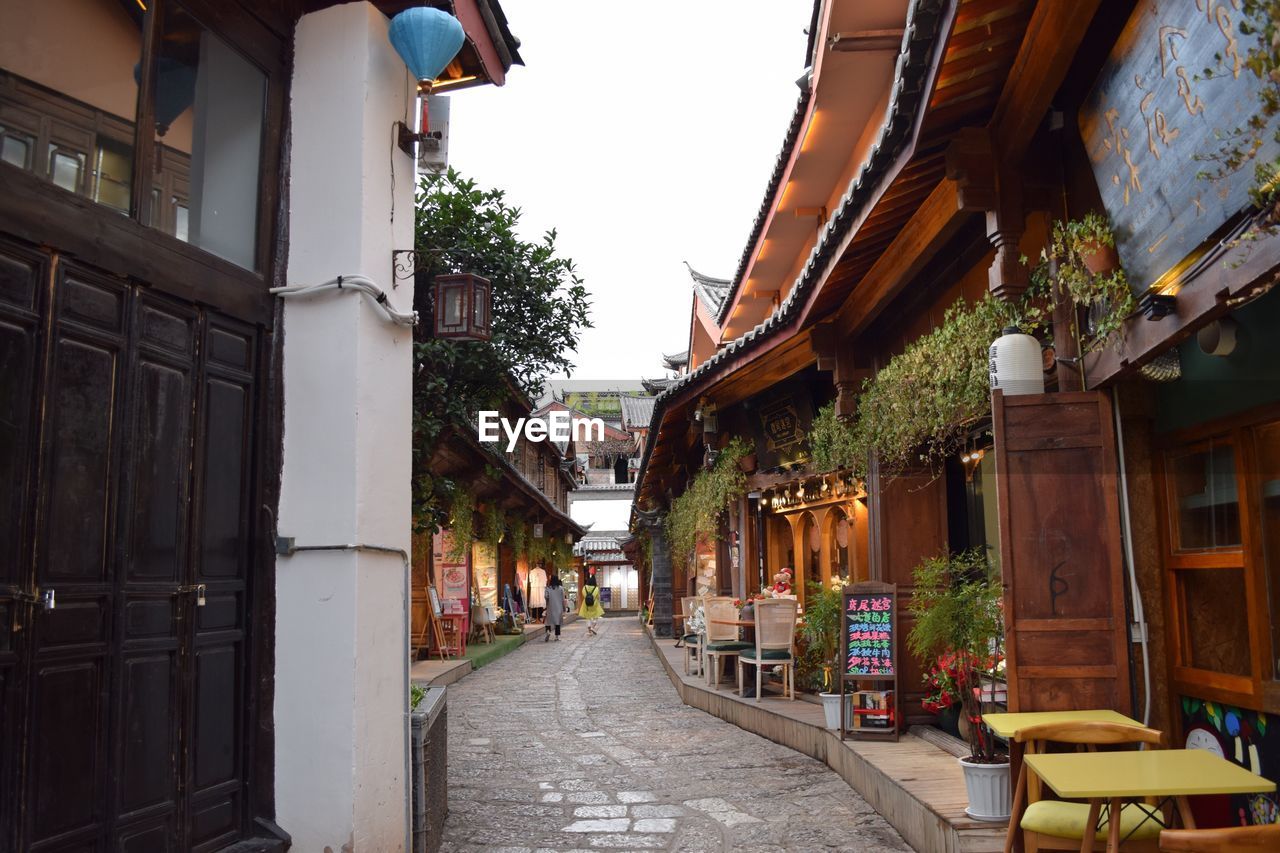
636, 411
711, 292
675, 360
924, 19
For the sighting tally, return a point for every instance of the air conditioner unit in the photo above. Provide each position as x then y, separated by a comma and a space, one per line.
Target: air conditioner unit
433, 149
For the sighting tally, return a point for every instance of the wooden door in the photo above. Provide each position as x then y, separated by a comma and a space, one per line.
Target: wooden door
908, 517
1064, 600
126, 562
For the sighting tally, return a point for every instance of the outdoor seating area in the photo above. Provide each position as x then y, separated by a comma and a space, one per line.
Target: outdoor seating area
1098, 777
755, 638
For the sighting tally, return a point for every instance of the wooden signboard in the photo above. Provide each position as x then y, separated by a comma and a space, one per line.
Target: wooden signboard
868, 645
1153, 118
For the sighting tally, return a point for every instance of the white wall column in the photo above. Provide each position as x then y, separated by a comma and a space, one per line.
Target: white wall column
341, 656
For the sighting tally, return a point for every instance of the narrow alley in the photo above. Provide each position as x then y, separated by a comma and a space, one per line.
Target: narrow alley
583, 744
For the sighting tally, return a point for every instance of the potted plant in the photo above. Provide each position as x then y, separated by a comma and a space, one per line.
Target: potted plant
957, 611
1089, 269
821, 632
747, 464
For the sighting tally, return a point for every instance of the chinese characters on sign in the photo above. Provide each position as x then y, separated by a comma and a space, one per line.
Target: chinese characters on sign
1174, 86
868, 632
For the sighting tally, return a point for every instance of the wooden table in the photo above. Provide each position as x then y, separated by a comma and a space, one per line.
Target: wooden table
1005, 724
1111, 778
456, 623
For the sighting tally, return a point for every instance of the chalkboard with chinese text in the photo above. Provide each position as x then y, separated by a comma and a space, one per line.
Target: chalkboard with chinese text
868, 641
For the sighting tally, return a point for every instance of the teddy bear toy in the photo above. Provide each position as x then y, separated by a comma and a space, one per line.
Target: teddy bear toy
782, 583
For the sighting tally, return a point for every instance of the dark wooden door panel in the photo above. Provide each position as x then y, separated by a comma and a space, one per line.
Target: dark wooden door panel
126, 452
67, 747
1060, 552
910, 514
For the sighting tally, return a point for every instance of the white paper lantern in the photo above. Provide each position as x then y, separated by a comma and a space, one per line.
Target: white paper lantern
1016, 365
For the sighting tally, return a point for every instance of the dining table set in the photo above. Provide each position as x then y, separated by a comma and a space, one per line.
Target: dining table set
1113, 782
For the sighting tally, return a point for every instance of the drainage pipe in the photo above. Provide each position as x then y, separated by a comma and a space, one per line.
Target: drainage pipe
1139, 613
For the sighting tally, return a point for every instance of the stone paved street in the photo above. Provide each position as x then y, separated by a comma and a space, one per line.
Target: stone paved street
584, 744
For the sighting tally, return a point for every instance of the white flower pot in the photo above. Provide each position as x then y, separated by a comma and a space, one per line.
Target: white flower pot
831, 705
988, 787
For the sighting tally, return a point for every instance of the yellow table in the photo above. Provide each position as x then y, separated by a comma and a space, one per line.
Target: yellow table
1005, 724
1113, 777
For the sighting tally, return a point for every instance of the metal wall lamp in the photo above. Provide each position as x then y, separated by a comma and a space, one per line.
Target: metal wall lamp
1157, 306
462, 302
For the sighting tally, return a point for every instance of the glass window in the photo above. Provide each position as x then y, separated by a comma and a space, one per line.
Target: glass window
68, 94
1205, 497
1214, 604
16, 148
209, 103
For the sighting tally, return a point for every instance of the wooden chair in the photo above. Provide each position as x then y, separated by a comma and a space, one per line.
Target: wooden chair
1061, 825
1245, 838
721, 641
775, 643
692, 641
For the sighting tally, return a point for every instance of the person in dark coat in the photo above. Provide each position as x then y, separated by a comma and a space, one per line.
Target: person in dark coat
555, 607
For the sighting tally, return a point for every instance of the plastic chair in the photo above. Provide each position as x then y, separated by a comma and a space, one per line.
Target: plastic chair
1244, 838
775, 643
721, 641
1061, 825
482, 623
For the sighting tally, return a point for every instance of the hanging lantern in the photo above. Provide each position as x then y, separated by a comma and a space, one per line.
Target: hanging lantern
463, 305
427, 40
1016, 364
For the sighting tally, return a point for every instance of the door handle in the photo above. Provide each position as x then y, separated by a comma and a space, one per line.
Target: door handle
49, 599
198, 589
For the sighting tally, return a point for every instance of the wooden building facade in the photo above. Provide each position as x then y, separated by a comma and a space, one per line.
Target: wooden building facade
1131, 507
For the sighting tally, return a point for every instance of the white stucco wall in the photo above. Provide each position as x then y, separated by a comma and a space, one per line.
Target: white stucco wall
601, 515
341, 655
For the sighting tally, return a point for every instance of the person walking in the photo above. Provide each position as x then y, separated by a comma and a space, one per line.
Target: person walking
554, 613
591, 609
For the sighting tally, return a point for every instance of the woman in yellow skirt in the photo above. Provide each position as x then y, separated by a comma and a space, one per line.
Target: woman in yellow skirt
590, 608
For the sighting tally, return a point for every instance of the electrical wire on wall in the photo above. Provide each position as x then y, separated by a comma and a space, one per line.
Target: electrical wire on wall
1139, 614
358, 283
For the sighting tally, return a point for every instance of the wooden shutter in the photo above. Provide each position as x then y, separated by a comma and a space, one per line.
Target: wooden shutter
1064, 595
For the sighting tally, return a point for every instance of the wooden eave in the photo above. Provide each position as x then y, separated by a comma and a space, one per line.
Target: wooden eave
1003, 61
459, 455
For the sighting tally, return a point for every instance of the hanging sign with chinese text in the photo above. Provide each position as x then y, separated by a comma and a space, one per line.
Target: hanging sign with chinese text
1173, 89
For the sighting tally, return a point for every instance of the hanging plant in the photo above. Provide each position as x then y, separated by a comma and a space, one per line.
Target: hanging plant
834, 444
492, 526
1090, 273
462, 509
1241, 145
695, 515
519, 537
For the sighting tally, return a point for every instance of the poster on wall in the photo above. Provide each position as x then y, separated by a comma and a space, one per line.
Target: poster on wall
452, 576
1244, 737
485, 566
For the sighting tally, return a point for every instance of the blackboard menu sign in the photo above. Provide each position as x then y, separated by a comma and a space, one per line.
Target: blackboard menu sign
869, 646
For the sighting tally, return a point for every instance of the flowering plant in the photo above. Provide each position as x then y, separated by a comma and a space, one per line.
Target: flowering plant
950, 672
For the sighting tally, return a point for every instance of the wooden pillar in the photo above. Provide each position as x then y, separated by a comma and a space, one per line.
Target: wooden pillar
660, 558
798, 548
821, 520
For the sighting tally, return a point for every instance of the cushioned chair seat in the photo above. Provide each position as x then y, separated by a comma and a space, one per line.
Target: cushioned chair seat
1067, 820
766, 655
690, 638
729, 646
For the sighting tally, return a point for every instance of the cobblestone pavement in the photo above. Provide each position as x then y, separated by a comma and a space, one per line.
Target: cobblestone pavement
583, 744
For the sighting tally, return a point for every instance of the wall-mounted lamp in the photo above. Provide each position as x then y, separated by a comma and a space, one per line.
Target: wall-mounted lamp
1157, 306
427, 40
463, 305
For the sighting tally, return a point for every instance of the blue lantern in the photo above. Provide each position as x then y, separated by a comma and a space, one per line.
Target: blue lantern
427, 40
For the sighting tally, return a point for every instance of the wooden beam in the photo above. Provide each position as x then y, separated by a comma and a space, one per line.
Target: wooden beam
866, 40
1054, 34
936, 220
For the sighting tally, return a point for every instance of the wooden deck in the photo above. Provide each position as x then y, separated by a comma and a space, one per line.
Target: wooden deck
917, 786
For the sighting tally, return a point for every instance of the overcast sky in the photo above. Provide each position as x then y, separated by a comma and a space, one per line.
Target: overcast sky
645, 133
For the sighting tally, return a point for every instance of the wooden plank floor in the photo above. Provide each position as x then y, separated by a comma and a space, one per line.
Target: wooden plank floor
918, 787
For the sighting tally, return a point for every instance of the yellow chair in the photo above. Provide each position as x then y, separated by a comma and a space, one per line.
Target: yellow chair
1060, 825
1242, 838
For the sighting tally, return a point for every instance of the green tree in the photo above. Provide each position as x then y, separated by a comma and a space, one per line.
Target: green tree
540, 307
